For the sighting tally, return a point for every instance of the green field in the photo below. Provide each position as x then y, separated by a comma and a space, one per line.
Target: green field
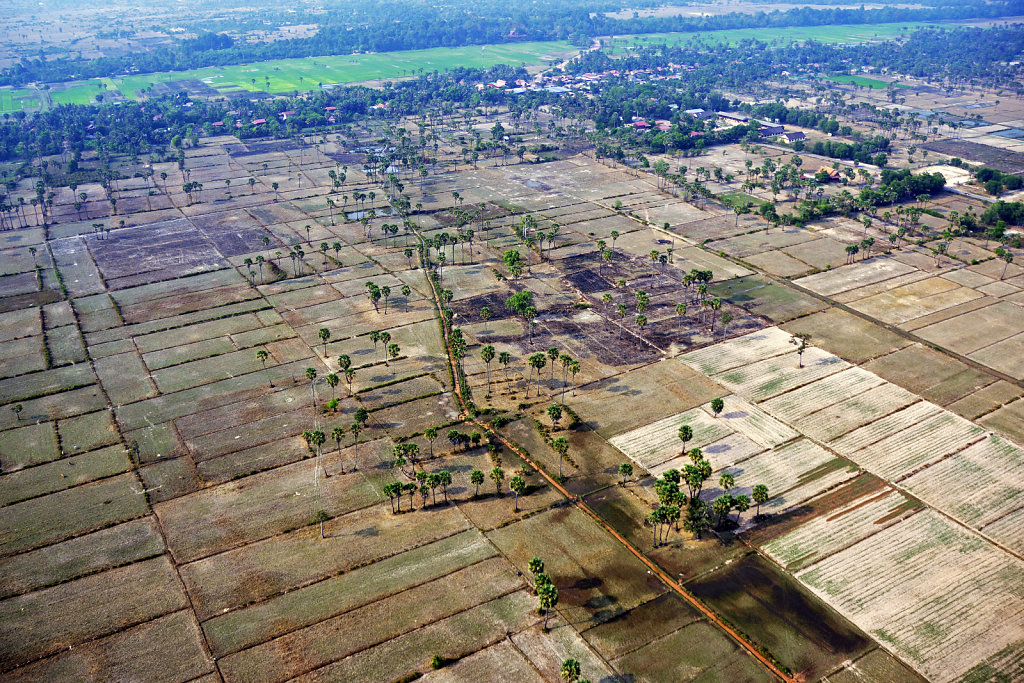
840, 34
16, 99
289, 75
862, 81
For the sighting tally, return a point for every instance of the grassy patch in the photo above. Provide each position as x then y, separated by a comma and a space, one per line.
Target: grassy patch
862, 81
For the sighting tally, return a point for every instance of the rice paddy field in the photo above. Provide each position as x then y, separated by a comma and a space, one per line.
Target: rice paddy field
862, 81
133, 391
839, 33
297, 75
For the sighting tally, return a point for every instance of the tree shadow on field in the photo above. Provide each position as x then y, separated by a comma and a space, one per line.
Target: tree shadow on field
613, 385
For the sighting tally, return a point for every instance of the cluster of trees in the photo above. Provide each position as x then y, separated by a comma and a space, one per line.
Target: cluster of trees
141, 128
676, 505
995, 182
898, 185
1011, 213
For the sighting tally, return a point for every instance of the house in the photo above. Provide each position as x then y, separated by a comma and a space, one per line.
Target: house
771, 130
738, 118
258, 122
829, 175
793, 136
641, 124
700, 113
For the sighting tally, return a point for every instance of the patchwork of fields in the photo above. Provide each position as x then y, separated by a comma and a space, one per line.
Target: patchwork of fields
926, 559
135, 392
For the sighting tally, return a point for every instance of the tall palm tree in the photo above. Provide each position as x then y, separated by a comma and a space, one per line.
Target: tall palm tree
338, 433
311, 376
505, 358
487, 355
262, 356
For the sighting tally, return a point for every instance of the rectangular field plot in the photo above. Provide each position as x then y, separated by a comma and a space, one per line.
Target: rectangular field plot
793, 474
823, 535
110, 547
659, 441
174, 641
779, 374
832, 282
44, 520
833, 421
1006, 530
377, 622
725, 452
48, 620
753, 423
261, 505
269, 619
466, 631
978, 485
880, 429
744, 350
274, 565
939, 597
920, 443
821, 394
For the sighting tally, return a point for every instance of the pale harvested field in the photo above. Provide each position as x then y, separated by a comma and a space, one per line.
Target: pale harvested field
940, 597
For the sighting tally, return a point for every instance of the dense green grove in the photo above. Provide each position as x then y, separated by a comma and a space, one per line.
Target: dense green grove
384, 25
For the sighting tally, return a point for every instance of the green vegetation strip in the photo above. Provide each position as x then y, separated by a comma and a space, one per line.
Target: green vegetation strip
838, 34
291, 75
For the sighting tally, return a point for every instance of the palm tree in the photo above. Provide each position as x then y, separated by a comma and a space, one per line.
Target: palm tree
537, 362
476, 477
517, 484
547, 594
393, 351
311, 376
355, 428
317, 439
324, 334
262, 356
487, 355
338, 433
505, 358
431, 433
571, 671
374, 337
561, 446
320, 517
553, 355
800, 340
444, 477
626, 470
332, 382
497, 476
760, 495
